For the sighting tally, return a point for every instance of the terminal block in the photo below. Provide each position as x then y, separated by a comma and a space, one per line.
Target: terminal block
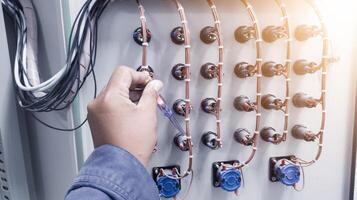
301, 132
146, 69
305, 32
284, 170
138, 36
208, 35
181, 142
178, 36
226, 175
273, 33
167, 180
209, 139
270, 69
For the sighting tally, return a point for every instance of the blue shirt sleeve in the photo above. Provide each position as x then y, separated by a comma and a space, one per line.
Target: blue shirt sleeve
111, 173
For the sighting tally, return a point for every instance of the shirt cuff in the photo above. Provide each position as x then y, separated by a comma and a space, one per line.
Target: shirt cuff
118, 174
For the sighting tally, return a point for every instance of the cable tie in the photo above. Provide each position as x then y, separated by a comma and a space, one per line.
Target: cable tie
188, 65
324, 91
259, 59
180, 8
187, 80
286, 114
218, 121
187, 119
184, 21
219, 139
188, 100
259, 75
249, 6
320, 145
324, 111
220, 63
220, 84
219, 99
258, 40
187, 46
259, 114
221, 47
289, 40
188, 137
287, 98
191, 156
256, 132
259, 94
288, 60
255, 148
217, 22
143, 18
255, 21
145, 44
288, 79
140, 6
286, 132
188, 172
213, 7
322, 130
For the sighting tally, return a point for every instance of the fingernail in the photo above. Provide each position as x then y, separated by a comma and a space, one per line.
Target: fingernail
156, 85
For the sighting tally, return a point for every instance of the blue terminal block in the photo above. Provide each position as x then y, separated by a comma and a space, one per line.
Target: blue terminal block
226, 176
166, 180
284, 171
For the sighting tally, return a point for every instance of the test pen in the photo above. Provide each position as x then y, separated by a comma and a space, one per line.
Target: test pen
167, 111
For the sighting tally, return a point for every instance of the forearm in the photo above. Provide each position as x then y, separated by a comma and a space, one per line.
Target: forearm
113, 173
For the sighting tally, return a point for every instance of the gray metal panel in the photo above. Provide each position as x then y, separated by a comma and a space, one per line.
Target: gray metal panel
328, 179
9, 125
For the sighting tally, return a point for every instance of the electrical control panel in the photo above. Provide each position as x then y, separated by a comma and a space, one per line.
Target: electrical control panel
257, 87
257, 76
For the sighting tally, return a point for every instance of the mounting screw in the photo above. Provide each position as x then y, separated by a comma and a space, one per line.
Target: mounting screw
305, 32
138, 36
273, 33
244, 33
208, 35
178, 36
270, 69
209, 71
244, 70
178, 72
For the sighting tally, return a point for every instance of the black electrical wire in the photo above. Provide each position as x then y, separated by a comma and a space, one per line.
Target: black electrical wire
64, 92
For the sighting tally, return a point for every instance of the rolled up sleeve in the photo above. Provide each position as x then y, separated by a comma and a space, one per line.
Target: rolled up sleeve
113, 173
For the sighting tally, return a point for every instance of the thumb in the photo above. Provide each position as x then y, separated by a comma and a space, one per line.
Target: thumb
150, 94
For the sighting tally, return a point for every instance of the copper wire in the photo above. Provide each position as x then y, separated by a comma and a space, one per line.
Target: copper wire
325, 61
144, 29
287, 67
217, 25
258, 65
187, 44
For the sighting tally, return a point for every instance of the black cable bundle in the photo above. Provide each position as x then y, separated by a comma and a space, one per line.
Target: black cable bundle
65, 89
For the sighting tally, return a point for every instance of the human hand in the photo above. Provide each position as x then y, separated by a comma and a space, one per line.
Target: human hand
114, 119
